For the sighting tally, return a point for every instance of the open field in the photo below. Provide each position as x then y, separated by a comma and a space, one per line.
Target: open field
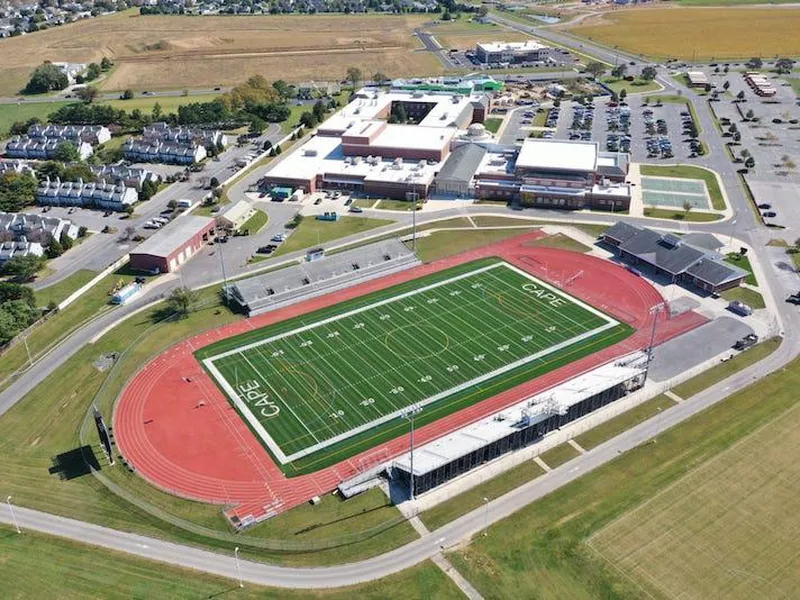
164, 52
61, 290
613, 427
446, 243
702, 33
540, 551
169, 104
680, 215
255, 223
313, 232
38, 566
10, 113
564, 242
341, 379
726, 530
557, 456
750, 297
637, 86
734, 258
464, 35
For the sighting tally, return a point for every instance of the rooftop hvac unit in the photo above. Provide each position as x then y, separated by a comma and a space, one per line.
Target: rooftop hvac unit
347, 160
398, 163
309, 152
356, 160
422, 164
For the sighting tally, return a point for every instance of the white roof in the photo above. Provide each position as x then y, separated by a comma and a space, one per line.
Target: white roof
237, 211
323, 154
173, 236
526, 46
538, 408
418, 137
558, 155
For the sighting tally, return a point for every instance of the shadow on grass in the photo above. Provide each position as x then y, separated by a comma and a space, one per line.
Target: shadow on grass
74, 463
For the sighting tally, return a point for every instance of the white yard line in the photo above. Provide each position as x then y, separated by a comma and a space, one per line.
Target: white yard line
244, 408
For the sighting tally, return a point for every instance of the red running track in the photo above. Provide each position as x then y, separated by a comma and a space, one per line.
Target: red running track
181, 434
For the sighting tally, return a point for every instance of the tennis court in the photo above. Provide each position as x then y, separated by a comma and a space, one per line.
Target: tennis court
437, 343
673, 192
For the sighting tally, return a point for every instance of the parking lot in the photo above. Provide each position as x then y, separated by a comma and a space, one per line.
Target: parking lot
650, 133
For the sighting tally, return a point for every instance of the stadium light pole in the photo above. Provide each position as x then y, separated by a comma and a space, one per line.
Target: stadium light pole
224, 276
410, 414
654, 310
238, 568
13, 516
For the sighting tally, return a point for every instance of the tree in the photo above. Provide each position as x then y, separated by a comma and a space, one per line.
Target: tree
648, 73
129, 232
749, 114
156, 112
737, 137
214, 182
92, 72
707, 88
691, 129
46, 78
172, 204
17, 190
726, 85
127, 94
16, 291
181, 302
446, 16
23, 268
257, 125
66, 152
595, 69
745, 153
353, 76
105, 64
784, 66
623, 94
755, 63
750, 162
283, 89
483, 11
88, 94
619, 71
53, 248
319, 111
380, 78
740, 95
687, 207
308, 119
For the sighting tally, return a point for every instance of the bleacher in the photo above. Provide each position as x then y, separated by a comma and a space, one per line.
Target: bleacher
276, 289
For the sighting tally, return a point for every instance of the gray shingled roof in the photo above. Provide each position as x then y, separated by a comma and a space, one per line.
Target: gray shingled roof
715, 272
621, 231
462, 163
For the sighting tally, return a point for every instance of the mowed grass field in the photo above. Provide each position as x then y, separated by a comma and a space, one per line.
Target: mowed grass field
465, 34
700, 32
321, 380
174, 52
726, 530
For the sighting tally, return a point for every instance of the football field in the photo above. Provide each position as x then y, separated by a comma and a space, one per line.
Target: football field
313, 382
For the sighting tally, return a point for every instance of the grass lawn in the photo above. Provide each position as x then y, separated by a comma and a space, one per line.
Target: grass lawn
699, 34
446, 243
637, 86
493, 124
10, 113
689, 172
492, 221
680, 215
495, 487
795, 86
613, 427
61, 290
734, 258
750, 297
719, 372
294, 117
36, 565
396, 205
541, 550
313, 232
365, 202
255, 223
778, 243
169, 104
559, 455
540, 117
562, 242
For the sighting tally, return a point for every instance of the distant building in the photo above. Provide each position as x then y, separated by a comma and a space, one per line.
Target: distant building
512, 52
170, 247
760, 84
237, 215
173, 145
91, 134
209, 138
697, 79
22, 247
22, 146
121, 175
90, 195
15, 166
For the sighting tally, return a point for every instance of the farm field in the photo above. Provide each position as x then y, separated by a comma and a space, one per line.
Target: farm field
726, 530
10, 113
323, 380
465, 35
169, 104
165, 52
700, 32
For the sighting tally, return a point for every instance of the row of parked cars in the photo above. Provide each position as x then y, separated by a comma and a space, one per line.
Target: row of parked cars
657, 138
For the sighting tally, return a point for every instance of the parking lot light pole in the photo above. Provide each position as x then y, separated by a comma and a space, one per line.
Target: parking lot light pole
13, 516
486, 517
654, 310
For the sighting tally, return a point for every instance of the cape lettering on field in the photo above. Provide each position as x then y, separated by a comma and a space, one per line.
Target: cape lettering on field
251, 392
544, 295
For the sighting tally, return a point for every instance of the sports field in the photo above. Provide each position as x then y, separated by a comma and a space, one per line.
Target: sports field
726, 530
324, 379
699, 33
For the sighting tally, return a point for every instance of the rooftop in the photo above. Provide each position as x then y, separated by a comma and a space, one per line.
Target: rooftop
558, 155
166, 241
526, 46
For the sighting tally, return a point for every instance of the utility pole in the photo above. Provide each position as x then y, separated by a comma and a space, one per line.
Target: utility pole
27, 349
13, 516
486, 517
238, 568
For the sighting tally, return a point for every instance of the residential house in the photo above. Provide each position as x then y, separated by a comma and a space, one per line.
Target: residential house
105, 196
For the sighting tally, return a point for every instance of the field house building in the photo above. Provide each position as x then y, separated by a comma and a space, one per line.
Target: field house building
673, 257
166, 250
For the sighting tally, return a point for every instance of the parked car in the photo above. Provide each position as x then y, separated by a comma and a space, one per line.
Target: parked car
764, 206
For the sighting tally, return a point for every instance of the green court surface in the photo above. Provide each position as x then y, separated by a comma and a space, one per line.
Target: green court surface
330, 380
657, 191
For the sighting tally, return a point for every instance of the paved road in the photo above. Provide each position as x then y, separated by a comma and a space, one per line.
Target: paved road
108, 96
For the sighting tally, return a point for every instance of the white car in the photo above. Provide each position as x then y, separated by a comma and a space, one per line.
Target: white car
280, 237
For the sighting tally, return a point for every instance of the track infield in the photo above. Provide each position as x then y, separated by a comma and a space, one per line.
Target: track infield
337, 377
